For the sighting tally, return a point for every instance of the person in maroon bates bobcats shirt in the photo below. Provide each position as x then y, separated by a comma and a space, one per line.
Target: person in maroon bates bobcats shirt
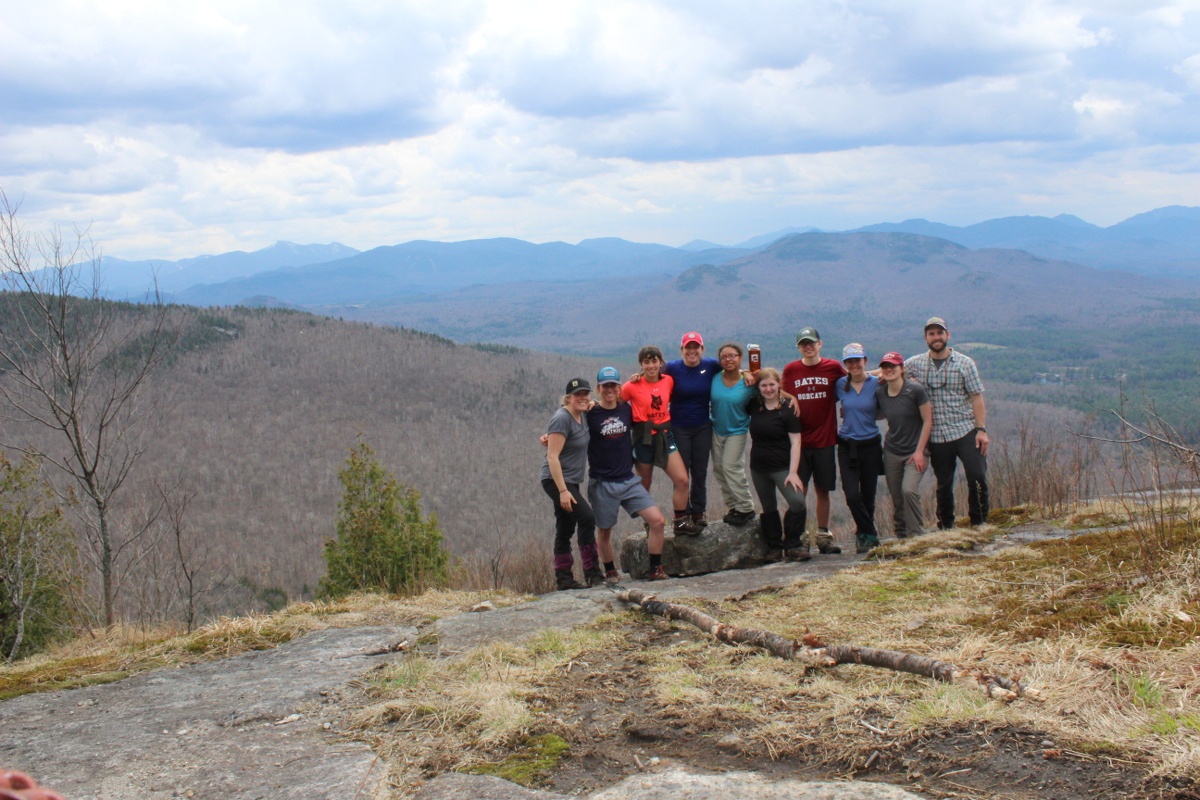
812, 381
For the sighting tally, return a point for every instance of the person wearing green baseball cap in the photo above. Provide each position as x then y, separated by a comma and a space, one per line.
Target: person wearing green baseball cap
812, 381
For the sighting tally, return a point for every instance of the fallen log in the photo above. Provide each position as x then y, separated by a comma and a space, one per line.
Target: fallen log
812, 652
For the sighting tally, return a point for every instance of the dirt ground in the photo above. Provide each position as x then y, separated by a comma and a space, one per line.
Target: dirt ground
607, 713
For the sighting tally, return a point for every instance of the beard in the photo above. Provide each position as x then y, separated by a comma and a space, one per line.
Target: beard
938, 346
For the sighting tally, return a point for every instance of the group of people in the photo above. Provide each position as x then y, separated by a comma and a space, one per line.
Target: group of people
678, 415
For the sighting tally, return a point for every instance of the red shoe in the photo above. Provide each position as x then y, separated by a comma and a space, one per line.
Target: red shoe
659, 574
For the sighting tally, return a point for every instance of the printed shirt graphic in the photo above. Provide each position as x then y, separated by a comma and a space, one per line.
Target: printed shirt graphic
651, 401
815, 389
610, 450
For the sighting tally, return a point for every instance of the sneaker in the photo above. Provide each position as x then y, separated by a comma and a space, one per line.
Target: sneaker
700, 520
612, 576
685, 527
593, 576
797, 554
659, 574
829, 550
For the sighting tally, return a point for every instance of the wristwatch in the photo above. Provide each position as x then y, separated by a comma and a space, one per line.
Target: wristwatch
981, 428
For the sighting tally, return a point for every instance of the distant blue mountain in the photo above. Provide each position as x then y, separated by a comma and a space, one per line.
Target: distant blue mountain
758, 242
133, 279
1164, 242
423, 267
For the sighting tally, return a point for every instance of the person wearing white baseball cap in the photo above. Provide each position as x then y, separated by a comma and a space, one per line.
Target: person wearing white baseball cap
860, 447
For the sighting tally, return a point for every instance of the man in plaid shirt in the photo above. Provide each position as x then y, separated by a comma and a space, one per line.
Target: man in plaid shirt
959, 422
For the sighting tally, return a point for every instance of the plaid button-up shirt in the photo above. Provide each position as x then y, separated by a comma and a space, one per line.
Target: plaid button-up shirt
950, 390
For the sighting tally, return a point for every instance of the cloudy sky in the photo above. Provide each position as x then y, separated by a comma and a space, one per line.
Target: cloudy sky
177, 129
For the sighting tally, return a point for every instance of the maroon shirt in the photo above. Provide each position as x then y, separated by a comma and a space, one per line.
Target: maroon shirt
815, 391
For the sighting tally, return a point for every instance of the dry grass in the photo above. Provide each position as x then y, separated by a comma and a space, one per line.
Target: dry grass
1112, 649
111, 655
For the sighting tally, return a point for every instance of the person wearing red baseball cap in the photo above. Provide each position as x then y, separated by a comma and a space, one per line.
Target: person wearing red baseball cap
691, 418
905, 405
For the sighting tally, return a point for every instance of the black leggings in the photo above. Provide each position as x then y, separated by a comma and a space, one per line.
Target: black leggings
861, 463
695, 446
580, 519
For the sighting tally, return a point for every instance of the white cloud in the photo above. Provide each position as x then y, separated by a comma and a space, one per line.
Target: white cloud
221, 125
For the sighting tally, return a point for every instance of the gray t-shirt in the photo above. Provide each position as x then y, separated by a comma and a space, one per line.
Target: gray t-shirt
903, 415
573, 457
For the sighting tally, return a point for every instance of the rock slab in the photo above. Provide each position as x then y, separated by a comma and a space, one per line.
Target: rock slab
670, 784
245, 727
718, 547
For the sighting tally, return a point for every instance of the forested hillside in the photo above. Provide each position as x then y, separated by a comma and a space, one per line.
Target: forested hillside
259, 411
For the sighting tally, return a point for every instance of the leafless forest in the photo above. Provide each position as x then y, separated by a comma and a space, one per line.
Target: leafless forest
256, 425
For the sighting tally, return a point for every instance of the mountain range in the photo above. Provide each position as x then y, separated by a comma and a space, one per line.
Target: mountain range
1162, 243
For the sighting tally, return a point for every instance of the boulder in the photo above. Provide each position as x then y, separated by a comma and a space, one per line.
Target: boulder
718, 547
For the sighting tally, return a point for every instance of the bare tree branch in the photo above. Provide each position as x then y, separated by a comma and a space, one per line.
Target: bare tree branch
813, 653
77, 364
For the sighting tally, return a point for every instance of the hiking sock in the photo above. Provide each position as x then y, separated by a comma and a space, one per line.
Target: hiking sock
655, 561
610, 566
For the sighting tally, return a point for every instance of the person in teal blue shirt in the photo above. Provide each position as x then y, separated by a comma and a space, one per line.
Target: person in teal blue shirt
732, 389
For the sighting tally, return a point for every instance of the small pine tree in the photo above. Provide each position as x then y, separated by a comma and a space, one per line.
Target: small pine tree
37, 558
383, 543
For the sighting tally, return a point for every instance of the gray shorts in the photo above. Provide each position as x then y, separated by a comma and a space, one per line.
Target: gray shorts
607, 498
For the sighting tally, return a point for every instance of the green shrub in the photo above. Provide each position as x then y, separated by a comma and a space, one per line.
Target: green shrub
37, 553
383, 542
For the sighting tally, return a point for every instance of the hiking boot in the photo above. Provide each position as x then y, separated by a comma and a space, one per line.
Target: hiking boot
774, 555
593, 576
865, 544
612, 576
564, 580
700, 520
824, 542
738, 518
797, 554
659, 574
685, 527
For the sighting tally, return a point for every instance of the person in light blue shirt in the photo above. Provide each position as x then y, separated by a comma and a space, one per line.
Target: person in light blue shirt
732, 389
860, 448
